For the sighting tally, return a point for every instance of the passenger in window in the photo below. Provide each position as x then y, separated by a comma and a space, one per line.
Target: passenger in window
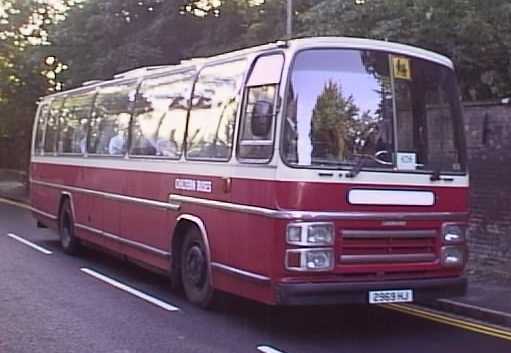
83, 145
117, 144
144, 147
167, 147
142, 131
80, 139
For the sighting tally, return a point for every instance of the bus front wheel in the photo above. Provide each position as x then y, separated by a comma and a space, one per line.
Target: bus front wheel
70, 244
195, 270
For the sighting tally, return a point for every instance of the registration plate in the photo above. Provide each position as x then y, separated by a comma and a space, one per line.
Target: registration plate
390, 296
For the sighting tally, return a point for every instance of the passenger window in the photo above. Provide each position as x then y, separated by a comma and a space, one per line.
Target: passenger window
40, 127
110, 119
52, 126
258, 120
159, 121
74, 123
213, 111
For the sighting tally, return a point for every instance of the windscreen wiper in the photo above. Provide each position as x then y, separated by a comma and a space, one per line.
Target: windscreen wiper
362, 158
358, 166
436, 176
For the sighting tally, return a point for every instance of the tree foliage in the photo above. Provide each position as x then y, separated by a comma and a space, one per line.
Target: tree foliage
50, 45
475, 34
24, 28
331, 119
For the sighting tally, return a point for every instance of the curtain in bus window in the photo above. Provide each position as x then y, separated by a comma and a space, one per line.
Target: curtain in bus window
41, 126
213, 112
52, 126
74, 123
159, 120
110, 121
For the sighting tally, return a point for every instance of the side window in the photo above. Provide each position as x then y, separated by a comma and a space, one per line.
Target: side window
213, 111
40, 127
259, 110
52, 126
74, 122
159, 121
110, 119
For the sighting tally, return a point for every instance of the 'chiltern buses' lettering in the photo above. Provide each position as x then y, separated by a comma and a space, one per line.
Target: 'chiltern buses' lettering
193, 185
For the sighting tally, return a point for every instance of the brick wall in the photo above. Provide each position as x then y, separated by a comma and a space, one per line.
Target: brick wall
488, 131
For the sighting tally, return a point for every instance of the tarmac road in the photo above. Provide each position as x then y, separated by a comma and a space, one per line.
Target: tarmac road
54, 303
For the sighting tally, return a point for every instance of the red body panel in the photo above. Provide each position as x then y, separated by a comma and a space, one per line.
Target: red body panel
244, 241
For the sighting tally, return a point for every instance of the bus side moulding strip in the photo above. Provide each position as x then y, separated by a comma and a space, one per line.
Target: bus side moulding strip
313, 215
111, 196
240, 272
110, 236
125, 241
165, 254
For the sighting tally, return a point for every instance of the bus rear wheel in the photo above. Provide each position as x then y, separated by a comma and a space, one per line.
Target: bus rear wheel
70, 244
195, 270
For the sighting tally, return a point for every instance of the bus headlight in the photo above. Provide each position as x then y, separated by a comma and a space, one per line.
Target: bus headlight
453, 233
310, 259
310, 234
453, 256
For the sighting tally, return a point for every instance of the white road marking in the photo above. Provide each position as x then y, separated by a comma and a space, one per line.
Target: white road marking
28, 243
268, 349
130, 290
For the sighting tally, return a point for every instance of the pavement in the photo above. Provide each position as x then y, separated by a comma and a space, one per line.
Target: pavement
487, 297
489, 286
13, 185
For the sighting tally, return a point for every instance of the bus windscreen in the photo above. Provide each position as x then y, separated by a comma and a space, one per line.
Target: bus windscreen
344, 104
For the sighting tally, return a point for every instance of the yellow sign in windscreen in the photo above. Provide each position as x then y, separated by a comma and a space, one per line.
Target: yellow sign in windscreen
401, 68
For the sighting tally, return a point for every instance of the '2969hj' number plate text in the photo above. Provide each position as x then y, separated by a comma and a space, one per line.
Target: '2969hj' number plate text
390, 296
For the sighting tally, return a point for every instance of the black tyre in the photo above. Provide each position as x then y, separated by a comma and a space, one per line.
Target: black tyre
195, 275
70, 244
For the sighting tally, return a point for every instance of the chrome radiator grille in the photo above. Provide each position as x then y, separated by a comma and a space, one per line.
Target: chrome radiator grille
377, 246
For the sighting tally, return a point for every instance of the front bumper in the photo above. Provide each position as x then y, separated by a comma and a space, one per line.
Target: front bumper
358, 292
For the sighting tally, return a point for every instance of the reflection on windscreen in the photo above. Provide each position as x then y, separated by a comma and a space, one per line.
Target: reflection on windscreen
344, 104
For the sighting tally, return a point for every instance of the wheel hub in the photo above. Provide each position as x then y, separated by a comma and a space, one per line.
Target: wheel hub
195, 266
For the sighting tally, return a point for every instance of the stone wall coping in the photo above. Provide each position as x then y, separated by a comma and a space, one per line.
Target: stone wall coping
485, 103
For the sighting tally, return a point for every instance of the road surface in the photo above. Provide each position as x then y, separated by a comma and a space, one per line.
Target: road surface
54, 303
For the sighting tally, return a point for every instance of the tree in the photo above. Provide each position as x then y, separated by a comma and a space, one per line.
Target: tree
101, 38
48, 45
476, 34
239, 24
23, 28
332, 117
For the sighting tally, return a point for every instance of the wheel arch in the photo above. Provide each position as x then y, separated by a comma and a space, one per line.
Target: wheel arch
66, 196
183, 222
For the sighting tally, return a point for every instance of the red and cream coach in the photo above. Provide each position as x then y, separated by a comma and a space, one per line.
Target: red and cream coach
312, 171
